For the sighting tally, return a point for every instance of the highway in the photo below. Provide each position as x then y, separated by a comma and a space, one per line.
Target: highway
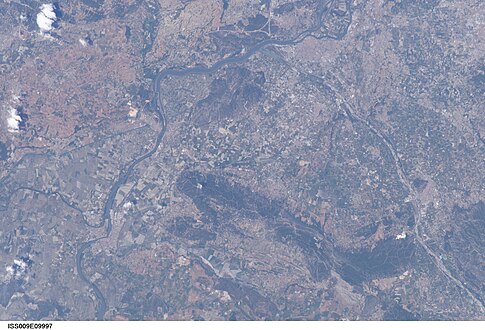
123, 177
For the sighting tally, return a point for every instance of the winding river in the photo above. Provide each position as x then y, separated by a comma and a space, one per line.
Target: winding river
101, 307
123, 177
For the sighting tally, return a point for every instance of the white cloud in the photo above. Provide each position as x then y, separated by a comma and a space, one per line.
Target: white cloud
46, 17
10, 271
17, 270
13, 120
21, 264
401, 236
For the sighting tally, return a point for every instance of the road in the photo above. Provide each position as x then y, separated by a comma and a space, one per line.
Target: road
239, 58
157, 101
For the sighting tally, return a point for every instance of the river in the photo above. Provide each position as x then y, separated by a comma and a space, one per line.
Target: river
323, 11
